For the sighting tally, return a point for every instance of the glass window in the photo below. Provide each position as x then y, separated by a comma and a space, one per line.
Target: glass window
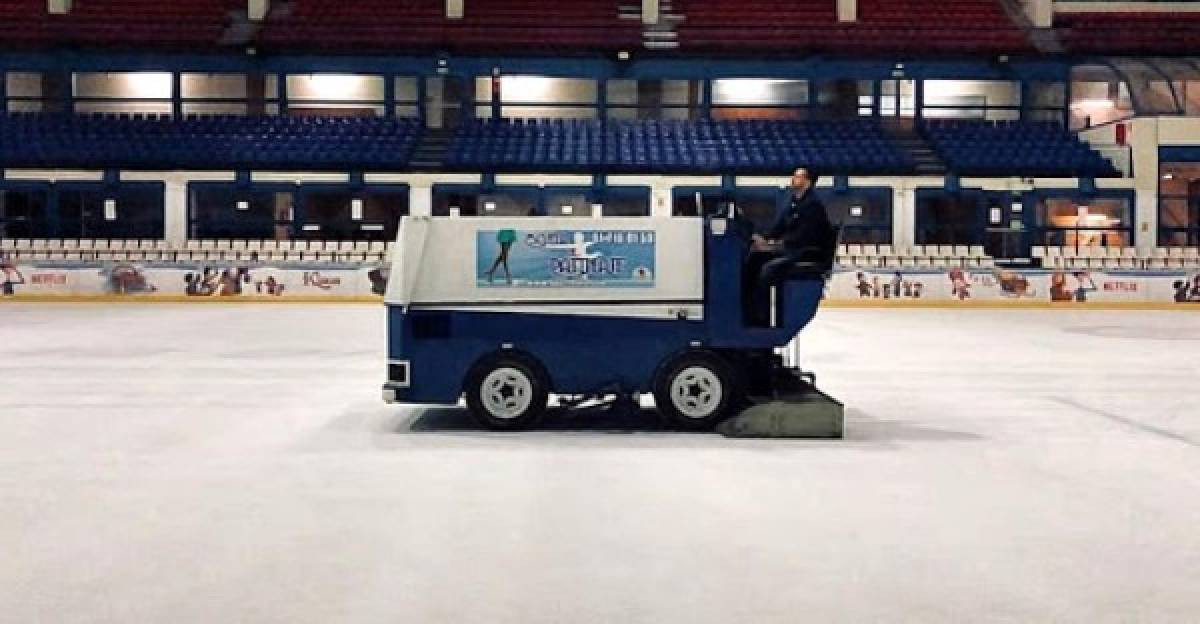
138, 214
23, 213
972, 99
865, 215
335, 93
213, 86
494, 204
1179, 205
335, 214
758, 206
1098, 96
698, 202
759, 92
23, 84
567, 204
1083, 222
224, 211
949, 219
122, 92
653, 99
626, 202
538, 96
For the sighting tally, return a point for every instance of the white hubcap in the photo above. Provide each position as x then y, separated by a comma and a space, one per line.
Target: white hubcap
696, 392
506, 393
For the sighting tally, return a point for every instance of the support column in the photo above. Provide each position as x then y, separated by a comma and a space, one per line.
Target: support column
650, 11
175, 209
847, 10
257, 10
660, 200
1143, 135
904, 216
455, 9
420, 199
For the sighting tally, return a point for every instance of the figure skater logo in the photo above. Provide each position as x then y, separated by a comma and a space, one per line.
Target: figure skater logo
556, 258
579, 248
12, 276
505, 240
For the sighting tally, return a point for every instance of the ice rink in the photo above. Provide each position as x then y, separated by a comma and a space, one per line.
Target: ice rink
221, 463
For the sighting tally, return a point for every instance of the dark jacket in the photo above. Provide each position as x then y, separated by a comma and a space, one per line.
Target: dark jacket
803, 224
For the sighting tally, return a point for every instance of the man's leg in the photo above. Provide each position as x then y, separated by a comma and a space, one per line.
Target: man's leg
769, 276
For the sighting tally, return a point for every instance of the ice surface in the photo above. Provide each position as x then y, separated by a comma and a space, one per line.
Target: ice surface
218, 463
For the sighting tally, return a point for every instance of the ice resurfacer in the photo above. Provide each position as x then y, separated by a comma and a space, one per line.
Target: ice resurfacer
507, 311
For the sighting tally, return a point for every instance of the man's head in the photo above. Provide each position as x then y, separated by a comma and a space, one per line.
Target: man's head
802, 180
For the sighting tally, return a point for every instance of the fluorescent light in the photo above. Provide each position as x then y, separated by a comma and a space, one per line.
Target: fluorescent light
335, 86
526, 88
1094, 103
356, 209
110, 210
154, 85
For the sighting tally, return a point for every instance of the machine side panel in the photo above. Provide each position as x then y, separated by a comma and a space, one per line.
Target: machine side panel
581, 354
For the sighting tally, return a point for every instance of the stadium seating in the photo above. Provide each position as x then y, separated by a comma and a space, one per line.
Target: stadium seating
1095, 257
124, 23
225, 251
497, 25
1014, 148
117, 23
913, 258
23, 23
1129, 32
883, 26
683, 146
204, 142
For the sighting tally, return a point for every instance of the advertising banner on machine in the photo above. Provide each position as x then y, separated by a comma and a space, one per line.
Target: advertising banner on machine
564, 258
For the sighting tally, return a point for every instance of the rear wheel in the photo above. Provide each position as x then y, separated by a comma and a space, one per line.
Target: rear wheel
695, 391
506, 392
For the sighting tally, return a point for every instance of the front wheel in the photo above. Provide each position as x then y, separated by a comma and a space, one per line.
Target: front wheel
506, 393
695, 391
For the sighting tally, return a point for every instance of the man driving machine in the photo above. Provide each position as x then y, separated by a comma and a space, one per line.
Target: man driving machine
801, 233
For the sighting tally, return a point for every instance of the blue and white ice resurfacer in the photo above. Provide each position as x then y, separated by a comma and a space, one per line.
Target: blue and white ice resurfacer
507, 311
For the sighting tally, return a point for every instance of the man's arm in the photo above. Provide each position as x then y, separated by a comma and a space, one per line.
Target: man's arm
780, 225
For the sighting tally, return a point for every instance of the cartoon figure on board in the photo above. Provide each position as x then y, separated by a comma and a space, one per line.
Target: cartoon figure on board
127, 279
12, 276
378, 277
960, 284
1060, 290
1013, 284
1187, 290
863, 286
1084, 285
